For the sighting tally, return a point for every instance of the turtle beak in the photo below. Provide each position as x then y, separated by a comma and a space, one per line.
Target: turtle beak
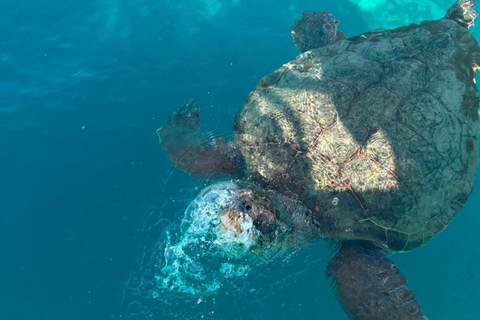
232, 220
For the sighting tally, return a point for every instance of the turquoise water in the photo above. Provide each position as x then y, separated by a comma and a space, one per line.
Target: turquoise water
88, 201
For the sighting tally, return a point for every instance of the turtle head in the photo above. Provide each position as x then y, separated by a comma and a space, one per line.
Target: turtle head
240, 218
249, 206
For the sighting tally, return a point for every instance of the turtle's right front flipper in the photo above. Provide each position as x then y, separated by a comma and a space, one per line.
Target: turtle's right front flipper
194, 151
370, 286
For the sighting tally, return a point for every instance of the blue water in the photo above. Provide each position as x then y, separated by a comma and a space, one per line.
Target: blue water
86, 192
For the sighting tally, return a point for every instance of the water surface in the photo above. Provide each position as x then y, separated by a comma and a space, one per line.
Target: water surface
86, 190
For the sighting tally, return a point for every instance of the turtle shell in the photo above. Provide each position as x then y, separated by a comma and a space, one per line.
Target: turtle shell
377, 134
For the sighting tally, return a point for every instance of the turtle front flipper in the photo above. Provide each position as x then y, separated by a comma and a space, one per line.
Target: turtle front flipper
316, 29
463, 12
370, 286
193, 150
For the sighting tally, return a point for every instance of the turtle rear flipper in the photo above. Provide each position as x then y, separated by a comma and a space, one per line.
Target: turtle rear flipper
193, 150
370, 286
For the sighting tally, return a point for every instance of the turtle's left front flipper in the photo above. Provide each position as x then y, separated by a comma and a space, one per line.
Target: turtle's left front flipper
193, 150
463, 12
370, 286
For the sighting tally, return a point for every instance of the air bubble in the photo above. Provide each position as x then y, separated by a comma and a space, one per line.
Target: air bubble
194, 262
335, 201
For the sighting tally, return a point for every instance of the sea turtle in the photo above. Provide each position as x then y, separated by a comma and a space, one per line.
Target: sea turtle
369, 141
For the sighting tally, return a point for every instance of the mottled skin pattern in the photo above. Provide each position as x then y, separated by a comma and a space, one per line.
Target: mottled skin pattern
377, 134
370, 141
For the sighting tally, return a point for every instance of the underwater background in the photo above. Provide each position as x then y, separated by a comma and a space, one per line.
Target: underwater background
87, 197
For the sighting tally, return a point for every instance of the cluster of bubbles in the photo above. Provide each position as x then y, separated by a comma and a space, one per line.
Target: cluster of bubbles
199, 267
203, 256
